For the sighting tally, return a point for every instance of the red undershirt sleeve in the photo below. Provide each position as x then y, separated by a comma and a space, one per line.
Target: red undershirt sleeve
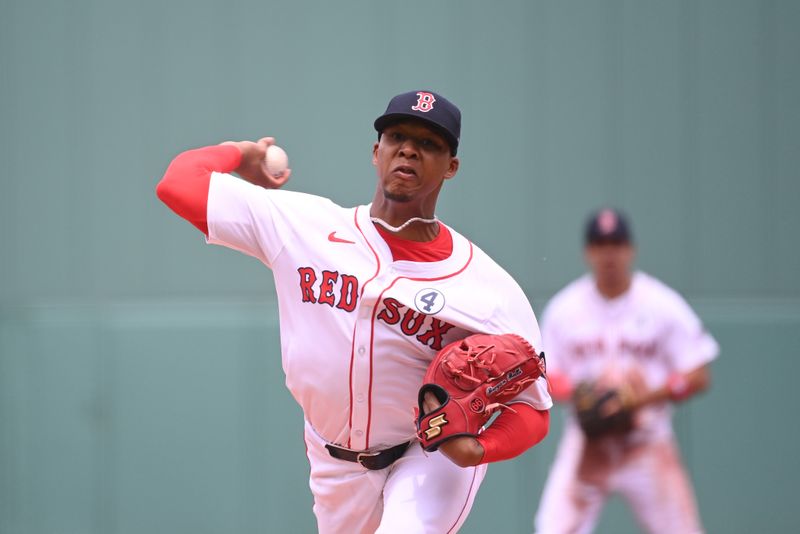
184, 187
512, 433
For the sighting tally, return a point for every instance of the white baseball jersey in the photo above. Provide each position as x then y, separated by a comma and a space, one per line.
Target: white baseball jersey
358, 329
645, 335
650, 330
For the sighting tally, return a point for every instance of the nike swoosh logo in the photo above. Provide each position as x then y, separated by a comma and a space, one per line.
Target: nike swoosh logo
333, 239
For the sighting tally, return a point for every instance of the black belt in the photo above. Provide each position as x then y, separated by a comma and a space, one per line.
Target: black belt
371, 460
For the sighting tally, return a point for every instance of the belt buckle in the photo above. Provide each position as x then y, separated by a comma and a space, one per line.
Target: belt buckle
362, 455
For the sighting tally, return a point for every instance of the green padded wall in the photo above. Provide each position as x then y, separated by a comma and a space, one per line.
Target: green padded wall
140, 381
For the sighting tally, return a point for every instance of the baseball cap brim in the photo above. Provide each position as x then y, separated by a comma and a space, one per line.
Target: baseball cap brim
384, 121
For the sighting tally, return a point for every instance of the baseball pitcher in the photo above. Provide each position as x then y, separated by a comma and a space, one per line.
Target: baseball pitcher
400, 338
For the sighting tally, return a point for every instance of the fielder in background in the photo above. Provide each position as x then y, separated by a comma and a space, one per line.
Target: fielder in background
368, 297
622, 347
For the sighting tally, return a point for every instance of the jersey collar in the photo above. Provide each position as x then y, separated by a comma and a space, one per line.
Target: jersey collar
461, 255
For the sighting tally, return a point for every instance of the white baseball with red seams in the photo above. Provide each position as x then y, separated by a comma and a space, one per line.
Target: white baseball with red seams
276, 159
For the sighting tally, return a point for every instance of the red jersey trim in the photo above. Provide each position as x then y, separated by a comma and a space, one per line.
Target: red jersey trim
372, 324
353, 343
372, 329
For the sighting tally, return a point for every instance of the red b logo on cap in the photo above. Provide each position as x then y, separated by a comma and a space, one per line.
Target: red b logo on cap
607, 221
425, 102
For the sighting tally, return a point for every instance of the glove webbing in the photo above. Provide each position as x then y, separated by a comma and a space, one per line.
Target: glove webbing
475, 362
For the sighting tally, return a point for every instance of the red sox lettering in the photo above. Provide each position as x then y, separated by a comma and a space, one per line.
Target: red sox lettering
345, 297
341, 291
411, 323
639, 349
597, 347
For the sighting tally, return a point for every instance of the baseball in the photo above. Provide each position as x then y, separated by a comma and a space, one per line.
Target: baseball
277, 160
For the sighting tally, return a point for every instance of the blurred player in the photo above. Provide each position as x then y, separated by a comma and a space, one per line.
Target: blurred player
622, 331
367, 297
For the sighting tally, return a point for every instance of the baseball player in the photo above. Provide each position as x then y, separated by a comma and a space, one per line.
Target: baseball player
621, 331
367, 297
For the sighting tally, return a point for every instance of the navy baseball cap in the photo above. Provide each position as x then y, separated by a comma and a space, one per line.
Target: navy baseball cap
428, 107
608, 225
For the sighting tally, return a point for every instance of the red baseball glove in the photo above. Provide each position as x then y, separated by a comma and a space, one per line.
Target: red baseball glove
471, 379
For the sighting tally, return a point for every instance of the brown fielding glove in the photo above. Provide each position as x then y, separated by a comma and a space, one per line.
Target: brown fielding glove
472, 378
602, 412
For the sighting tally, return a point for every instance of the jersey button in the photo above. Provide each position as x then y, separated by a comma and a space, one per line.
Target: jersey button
359, 433
360, 397
362, 349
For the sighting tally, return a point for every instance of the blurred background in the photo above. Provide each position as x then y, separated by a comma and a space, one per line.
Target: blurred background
140, 380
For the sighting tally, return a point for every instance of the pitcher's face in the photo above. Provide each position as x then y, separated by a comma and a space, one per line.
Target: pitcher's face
412, 161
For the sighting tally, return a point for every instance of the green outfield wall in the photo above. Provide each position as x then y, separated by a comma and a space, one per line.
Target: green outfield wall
141, 388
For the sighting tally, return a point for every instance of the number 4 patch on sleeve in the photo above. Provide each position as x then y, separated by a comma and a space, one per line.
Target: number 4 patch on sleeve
429, 301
